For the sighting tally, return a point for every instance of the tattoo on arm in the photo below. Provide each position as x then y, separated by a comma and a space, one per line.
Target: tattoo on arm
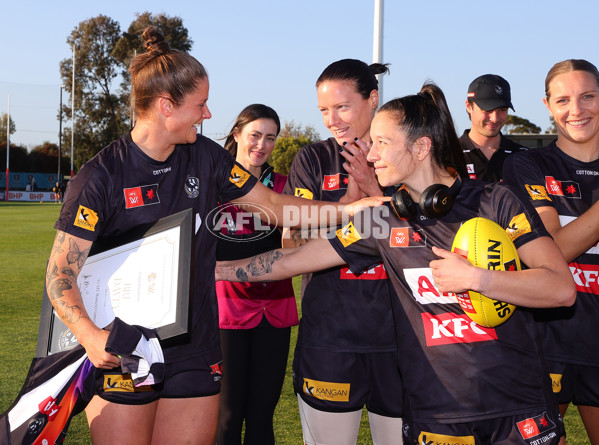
58, 241
69, 273
70, 314
241, 275
51, 274
262, 264
57, 287
75, 255
299, 237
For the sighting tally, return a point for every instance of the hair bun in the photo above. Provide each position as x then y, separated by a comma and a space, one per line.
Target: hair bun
154, 41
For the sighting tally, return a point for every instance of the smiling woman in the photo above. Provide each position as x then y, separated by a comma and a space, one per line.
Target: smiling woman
255, 319
561, 182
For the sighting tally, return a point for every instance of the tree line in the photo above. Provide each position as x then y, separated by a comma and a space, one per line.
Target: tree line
102, 94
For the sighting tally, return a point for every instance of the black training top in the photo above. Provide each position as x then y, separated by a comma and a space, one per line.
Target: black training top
549, 177
341, 311
122, 190
488, 170
453, 369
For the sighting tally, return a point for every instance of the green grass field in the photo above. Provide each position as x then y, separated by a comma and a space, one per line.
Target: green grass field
26, 236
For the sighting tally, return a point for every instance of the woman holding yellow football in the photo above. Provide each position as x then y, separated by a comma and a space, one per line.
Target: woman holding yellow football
463, 382
561, 181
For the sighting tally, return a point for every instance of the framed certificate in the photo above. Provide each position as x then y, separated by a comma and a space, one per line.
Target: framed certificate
144, 282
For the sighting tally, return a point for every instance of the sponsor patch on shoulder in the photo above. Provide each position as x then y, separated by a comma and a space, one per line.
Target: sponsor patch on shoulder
519, 225
537, 192
238, 176
304, 193
86, 219
348, 234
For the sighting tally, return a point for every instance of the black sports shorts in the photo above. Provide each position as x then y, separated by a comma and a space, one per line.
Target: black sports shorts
572, 383
193, 377
536, 428
346, 381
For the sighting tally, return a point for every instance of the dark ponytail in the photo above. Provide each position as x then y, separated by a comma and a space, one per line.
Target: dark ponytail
426, 114
352, 70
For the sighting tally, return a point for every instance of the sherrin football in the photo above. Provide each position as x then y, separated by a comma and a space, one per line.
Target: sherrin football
486, 244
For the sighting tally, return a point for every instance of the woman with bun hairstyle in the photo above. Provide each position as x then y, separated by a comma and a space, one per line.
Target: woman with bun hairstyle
255, 319
463, 383
562, 183
160, 168
346, 331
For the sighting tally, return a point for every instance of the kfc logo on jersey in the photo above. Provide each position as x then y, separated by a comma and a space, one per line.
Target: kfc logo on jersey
376, 272
537, 192
422, 284
586, 277
450, 328
141, 196
335, 182
567, 189
535, 426
406, 237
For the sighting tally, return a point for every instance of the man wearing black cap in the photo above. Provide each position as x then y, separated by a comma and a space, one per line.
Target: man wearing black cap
485, 148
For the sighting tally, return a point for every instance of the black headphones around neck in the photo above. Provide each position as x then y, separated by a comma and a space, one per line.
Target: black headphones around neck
436, 200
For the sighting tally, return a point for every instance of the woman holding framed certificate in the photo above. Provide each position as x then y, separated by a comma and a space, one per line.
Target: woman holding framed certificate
161, 167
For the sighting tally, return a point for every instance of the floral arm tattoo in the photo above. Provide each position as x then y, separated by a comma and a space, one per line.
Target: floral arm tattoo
259, 265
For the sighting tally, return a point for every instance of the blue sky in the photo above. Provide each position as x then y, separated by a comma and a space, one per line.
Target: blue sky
273, 51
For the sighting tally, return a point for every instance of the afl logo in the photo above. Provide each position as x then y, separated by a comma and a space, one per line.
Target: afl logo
192, 186
498, 90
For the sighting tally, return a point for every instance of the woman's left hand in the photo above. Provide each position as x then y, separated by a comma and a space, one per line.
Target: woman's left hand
453, 272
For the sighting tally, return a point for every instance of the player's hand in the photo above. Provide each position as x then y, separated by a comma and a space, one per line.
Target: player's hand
453, 272
370, 201
359, 168
95, 346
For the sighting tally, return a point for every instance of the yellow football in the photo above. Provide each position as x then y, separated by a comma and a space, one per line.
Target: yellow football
486, 244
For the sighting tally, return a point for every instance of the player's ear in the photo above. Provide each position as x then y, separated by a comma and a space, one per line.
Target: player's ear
422, 147
165, 105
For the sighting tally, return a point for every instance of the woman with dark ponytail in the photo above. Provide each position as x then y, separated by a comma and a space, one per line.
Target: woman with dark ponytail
462, 383
346, 331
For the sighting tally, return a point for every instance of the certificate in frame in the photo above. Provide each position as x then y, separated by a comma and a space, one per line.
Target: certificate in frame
143, 282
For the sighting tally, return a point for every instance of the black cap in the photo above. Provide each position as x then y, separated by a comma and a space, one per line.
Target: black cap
490, 91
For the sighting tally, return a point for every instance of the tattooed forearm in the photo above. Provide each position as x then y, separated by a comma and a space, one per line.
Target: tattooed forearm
69, 314
262, 264
69, 273
51, 273
57, 287
76, 255
58, 241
